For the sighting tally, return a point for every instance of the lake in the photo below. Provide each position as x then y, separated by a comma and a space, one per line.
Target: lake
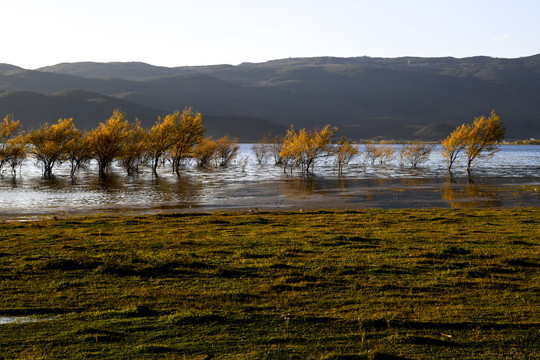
509, 179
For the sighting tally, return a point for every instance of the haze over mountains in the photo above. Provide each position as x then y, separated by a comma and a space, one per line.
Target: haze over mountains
398, 98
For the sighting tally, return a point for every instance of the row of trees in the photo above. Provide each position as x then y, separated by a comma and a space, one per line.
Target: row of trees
301, 149
180, 137
177, 137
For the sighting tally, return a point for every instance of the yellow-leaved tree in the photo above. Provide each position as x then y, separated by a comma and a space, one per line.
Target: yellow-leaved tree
344, 151
205, 152
304, 147
78, 151
49, 144
382, 153
134, 150
478, 139
484, 136
161, 137
226, 150
454, 144
415, 153
12, 145
106, 141
189, 132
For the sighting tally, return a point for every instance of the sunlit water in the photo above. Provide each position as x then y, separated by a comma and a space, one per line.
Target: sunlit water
509, 179
20, 319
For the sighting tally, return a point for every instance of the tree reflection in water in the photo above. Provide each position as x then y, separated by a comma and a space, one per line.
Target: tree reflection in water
470, 194
298, 187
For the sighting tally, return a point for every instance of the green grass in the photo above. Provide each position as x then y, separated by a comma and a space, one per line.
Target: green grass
373, 284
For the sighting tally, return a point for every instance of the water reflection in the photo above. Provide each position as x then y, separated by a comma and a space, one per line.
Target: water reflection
470, 194
416, 181
54, 182
182, 188
294, 188
110, 183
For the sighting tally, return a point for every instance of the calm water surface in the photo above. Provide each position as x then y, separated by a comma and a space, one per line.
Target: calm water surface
509, 179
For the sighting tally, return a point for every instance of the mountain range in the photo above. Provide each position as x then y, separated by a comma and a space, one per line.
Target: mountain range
398, 98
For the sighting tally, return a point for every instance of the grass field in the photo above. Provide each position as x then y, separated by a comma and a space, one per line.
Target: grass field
369, 284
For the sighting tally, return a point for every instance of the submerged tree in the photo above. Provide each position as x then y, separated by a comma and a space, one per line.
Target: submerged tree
226, 150
344, 152
454, 144
78, 152
12, 146
371, 152
49, 143
478, 139
133, 154
189, 132
17, 152
382, 153
276, 145
302, 149
262, 150
205, 152
415, 153
484, 136
161, 138
107, 140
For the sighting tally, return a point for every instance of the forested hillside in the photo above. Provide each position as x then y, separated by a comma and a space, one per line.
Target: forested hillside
399, 98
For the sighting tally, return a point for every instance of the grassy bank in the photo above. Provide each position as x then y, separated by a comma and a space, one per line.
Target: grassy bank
371, 284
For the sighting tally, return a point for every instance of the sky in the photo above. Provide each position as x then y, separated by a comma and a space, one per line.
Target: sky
171, 33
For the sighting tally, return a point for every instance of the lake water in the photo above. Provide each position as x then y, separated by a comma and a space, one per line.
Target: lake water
509, 179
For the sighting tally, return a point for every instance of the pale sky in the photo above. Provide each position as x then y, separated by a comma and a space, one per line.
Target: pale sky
38, 33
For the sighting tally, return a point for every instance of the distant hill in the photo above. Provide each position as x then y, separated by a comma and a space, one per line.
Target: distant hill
400, 98
88, 109
246, 129
7, 68
128, 71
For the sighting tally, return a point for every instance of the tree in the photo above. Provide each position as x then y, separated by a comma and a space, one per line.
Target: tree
454, 144
17, 152
303, 148
49, 143
276, 145
12, 148
415, 153
478, 139
107, 140
344, 151
226, 150
78, 152
205, 152
133, 154
189, 132
371, 152
262, 150
161, 138
382, 152
483, 138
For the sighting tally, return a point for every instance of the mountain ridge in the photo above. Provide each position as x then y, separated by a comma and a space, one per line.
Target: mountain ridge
364, 97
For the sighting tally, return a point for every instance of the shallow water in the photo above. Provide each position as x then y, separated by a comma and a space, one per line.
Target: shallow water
509, 179
16, 319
